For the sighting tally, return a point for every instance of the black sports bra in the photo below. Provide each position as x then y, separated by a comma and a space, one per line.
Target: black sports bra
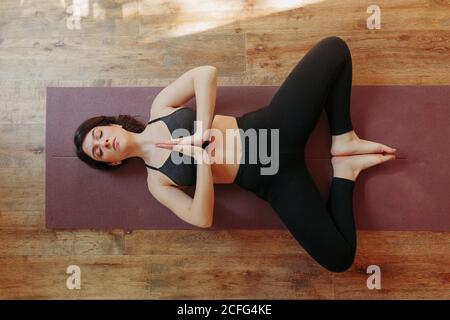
185, 173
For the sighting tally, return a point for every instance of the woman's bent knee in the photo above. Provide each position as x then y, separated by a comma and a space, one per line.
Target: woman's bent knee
342, 262
337, 42
341, 266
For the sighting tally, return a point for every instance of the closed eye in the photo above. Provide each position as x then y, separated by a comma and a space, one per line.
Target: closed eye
101, 152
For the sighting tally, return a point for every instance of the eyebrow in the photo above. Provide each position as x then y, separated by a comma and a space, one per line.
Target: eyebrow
93, 144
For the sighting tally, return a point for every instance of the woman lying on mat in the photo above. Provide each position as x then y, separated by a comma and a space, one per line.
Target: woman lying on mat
321, 80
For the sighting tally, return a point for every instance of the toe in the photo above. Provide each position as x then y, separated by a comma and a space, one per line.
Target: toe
388, 149
381, 148
390, 157
385, 157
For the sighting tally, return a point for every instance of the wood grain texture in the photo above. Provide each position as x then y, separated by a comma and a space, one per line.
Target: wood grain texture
150, 43
166, 277
229, 264
413, 265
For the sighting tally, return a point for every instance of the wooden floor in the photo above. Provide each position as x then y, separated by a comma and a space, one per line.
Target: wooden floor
150, 43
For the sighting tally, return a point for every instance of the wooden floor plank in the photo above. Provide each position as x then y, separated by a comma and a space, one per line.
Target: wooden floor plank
388, 58
29, 242
220, 242
165, 277
413, 265
402, 277
100, 56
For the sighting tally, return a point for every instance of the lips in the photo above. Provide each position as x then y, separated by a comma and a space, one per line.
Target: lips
114, 144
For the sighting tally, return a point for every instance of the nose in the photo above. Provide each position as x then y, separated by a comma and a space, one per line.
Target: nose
106, 142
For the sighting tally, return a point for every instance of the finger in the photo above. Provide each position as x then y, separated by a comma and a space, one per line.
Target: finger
179, 148
169, 142
185, 140
163, 143
175, 141
165, 146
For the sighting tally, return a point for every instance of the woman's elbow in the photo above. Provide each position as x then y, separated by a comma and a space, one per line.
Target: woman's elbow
200, 219
205, 226
207, 221
207, 72
210, 68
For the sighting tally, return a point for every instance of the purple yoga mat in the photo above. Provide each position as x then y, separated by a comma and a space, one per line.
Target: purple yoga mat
409, 193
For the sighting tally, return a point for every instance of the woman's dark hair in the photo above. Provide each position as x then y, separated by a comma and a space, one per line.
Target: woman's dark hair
127, 122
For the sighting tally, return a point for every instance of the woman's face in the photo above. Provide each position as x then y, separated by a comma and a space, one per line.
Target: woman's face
107, 144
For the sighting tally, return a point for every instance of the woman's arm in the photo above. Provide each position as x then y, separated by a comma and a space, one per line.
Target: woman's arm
205, 87
203, 202
183, 89
198, 211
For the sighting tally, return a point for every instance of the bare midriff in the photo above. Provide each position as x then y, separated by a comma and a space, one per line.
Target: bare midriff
224, 170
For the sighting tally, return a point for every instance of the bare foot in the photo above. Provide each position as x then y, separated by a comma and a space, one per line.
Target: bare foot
350, 144
349, 167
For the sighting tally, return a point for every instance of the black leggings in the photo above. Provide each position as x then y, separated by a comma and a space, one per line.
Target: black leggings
321, 79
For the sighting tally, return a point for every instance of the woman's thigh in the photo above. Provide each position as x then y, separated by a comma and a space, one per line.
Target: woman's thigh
298, 203
298, 103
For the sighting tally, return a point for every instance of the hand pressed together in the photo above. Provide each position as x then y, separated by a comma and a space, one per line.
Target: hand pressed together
189, 145
196, 139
